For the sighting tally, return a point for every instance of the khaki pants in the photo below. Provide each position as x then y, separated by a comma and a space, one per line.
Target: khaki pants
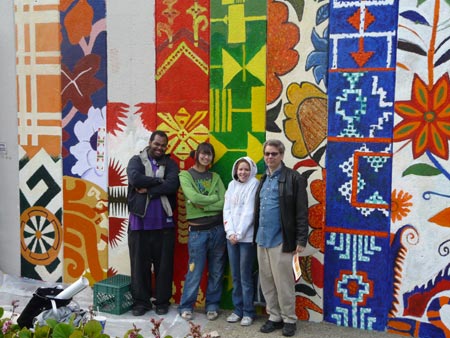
277, 283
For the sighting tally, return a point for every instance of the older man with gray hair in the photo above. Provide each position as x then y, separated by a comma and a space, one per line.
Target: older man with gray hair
281, 231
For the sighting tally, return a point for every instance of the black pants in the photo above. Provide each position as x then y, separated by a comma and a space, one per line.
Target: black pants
147, 248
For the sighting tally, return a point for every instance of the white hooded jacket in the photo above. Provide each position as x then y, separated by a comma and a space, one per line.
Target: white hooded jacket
239, 204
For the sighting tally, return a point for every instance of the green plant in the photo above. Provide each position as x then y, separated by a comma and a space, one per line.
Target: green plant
53, 329
7, 323
87, 329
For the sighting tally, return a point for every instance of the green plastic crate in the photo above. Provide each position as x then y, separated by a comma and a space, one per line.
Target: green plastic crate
113, 295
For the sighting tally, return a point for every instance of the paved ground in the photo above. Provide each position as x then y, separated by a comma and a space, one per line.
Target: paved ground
14, 288
304, 330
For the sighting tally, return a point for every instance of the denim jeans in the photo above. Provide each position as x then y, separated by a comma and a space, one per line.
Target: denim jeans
205, 246
242, 259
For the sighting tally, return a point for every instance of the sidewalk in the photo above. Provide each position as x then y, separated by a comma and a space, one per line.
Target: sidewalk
15, 288
304, 330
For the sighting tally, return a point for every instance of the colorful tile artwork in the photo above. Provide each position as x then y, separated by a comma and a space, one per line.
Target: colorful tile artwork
358, 91
421, 172
39, 138
182, 75
237, 84
83, 93
296, 113
359, 161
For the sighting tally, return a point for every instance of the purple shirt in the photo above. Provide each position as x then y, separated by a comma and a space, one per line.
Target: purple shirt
155, 217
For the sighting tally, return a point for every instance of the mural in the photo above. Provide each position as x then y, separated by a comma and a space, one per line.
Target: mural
359, 162
182, 82
358, 91
296, 112
130, 110
421, 183
237, 87
39, 139
83, 94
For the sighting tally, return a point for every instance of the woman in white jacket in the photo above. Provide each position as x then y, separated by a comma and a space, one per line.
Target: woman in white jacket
238, 220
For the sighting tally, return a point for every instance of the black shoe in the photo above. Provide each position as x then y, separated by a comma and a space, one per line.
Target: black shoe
139, 310
162, 310
289, 329
270, 326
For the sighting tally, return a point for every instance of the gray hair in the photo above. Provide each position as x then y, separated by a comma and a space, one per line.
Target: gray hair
275, 143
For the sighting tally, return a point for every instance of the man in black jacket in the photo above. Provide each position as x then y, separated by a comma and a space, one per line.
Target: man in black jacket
152, 187
281, 231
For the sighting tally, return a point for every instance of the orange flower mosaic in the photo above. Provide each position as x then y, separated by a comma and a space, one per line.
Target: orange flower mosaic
426, 117
400, 205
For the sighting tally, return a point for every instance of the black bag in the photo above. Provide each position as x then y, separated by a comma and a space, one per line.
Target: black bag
41, 301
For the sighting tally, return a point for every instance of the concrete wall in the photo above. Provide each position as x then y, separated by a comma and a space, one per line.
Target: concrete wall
9, 196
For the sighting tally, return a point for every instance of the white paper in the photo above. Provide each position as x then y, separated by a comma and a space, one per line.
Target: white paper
296, 267
73, 289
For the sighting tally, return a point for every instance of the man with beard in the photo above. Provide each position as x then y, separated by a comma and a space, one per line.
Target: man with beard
152, 187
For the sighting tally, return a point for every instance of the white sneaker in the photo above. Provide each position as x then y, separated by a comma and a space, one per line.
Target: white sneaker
186, 315
246, 321
233, 318
212, 315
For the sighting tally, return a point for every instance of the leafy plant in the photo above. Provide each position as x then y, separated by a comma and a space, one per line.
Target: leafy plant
53, 329
86, 329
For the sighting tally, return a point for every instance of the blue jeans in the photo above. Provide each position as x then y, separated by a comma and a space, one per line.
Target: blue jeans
205, 245
242, 259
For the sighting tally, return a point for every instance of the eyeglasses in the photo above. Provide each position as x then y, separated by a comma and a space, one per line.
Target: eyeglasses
273, 154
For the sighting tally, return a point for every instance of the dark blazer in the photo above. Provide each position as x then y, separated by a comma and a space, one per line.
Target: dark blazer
293, 200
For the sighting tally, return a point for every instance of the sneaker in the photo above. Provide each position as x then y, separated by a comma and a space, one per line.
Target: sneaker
212, 315
289, 329
246, 321
186, 315
270, 326
233, 318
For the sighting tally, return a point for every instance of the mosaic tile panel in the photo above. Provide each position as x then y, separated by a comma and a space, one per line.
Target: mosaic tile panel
182, 82
296, 113
83, 94
363, 105
237, 80
41, 231
359, 159
357, 263
358, 192
39, 138
421, 172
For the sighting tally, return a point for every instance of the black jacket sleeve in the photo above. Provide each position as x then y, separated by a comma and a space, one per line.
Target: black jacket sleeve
136, 175
301, 211
170, 183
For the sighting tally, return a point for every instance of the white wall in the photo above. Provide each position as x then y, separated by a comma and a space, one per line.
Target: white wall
9, 165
